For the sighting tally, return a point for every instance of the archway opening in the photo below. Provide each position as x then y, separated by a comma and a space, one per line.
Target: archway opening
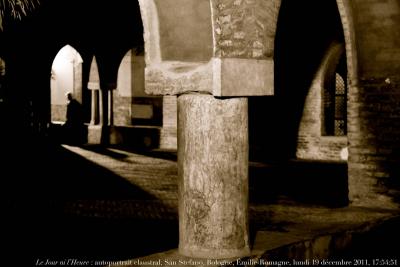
301, 45
66, 77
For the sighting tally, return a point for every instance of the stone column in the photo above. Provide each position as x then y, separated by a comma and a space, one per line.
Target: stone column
103, 108
213, 176
110, 108
95, 128
94, 107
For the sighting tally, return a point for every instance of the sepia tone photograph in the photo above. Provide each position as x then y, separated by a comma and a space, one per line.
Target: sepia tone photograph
200, 132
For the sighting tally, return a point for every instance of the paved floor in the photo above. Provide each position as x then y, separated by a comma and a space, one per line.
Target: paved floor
112, 204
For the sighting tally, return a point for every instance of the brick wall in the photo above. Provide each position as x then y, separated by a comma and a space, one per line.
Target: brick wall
374, 134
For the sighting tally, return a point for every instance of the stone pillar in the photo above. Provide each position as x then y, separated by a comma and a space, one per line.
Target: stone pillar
103, 113
110, 108
213, 176
94, 107
96, 120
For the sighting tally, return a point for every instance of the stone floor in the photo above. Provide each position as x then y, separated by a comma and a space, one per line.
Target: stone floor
112, 204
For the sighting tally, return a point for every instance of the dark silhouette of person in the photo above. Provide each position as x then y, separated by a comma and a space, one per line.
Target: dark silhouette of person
73, 127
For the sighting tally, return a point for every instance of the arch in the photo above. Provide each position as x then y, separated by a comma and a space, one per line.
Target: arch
346, 17
202, 29
133, 105
313, 142
66, 76
151, 34
333, 94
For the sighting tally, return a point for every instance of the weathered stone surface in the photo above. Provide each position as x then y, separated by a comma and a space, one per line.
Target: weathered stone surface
213, 176
220, 77
172, 78
245, 28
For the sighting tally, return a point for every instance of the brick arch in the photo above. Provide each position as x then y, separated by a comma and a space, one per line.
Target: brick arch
346, 17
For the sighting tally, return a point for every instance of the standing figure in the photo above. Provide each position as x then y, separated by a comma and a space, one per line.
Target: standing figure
73, 127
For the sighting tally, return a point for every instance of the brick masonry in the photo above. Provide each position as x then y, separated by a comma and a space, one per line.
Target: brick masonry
374, 134
245, 28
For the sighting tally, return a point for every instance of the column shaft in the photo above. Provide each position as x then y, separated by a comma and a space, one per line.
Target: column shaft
110, 108
213, 176
103, 114
94, 107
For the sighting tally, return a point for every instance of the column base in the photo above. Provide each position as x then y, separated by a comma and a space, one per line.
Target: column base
197, 252
95, 134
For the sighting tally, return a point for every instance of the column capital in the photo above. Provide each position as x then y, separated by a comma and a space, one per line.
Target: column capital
94, 78
219, 77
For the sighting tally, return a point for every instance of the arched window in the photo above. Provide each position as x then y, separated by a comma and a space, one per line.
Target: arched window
335, 101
